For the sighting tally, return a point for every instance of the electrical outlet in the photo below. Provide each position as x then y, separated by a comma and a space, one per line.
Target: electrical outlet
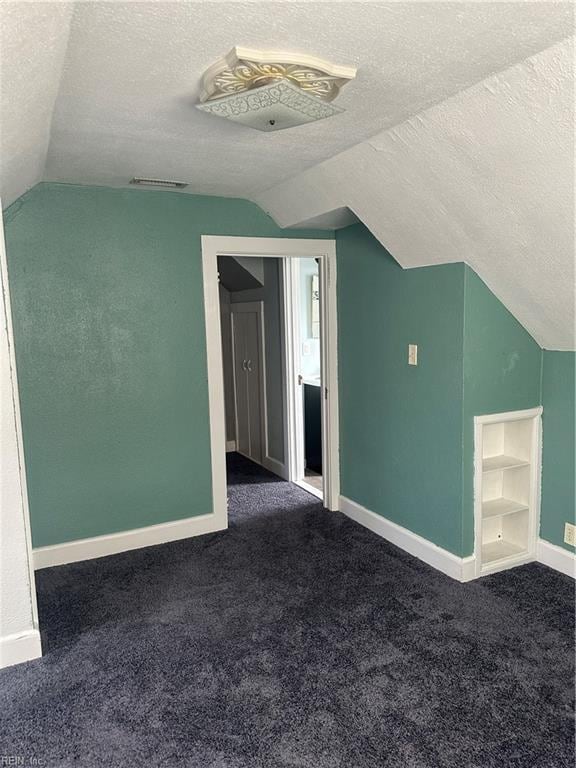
412, 354
570, 534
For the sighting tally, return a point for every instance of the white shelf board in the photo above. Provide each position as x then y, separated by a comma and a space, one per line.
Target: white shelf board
500, 550
499, 507
493, 463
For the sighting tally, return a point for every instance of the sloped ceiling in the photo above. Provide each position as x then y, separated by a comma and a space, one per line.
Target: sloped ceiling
98, 92
486, 177
131, 76
33, 42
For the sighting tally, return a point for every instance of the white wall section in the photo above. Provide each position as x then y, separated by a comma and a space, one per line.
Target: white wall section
19, 635
485, 177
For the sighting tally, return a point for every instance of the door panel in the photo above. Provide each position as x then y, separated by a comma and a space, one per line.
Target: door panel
247, 342
254, 390
241, 382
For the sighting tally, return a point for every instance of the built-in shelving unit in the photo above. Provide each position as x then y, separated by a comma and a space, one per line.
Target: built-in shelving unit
507, 472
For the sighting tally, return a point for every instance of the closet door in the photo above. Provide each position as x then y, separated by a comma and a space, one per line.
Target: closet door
253, 376
241, 382
248, 376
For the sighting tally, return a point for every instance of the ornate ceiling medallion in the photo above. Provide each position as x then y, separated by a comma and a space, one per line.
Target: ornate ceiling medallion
244, 69
290, 81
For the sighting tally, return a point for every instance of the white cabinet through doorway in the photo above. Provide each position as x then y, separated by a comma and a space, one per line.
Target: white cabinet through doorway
247, 349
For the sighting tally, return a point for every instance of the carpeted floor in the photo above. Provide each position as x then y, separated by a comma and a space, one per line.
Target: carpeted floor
296, 638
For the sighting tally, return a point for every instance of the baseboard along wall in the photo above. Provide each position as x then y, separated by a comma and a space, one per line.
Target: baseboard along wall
20, 647
459, 568
112, 544
276, 467
556, 557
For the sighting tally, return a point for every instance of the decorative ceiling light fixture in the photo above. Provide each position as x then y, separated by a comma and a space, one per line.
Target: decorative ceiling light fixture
270, 90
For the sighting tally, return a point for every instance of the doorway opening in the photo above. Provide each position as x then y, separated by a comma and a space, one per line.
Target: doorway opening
271, 346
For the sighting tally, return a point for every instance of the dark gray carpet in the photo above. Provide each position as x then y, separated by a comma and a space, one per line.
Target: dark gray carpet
297, 638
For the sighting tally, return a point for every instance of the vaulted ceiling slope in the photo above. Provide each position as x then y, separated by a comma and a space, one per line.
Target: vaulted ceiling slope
125, 96
33, 43
442, 157
486, 177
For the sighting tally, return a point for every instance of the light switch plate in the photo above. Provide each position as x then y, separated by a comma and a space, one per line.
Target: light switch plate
412, 354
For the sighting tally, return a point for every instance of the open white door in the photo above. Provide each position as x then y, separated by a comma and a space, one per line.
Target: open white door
306, 281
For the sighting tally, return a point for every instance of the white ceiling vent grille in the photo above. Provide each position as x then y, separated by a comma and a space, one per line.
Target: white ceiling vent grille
165, 183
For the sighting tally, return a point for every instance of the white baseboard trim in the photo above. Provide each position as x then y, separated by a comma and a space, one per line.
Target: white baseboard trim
111, 544
556, 557
459, 568
275, 466
230, 446
20, 647
310, 489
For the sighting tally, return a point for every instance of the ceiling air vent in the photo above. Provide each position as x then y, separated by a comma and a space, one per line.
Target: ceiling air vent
165, 183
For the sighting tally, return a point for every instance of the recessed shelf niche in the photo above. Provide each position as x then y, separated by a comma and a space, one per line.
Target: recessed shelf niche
507, 457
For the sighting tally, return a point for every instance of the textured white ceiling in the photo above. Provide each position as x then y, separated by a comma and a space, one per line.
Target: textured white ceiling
486, 177
440, 171
33, 40
132, 73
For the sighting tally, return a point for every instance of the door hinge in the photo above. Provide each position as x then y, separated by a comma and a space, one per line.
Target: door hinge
325, 393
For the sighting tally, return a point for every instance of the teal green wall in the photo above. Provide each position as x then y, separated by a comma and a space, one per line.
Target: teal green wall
558, 461
502, 370
401, 425
110, 342
407, 433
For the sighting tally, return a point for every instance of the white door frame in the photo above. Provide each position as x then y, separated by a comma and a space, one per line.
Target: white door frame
294, 426
295, 430
271, 247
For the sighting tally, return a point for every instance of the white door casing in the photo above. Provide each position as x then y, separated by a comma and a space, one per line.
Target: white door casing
325, 250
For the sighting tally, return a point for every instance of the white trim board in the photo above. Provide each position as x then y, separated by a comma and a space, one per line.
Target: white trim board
309, 488
112, 544
275, 466
459, 568
555, 557
20, 647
